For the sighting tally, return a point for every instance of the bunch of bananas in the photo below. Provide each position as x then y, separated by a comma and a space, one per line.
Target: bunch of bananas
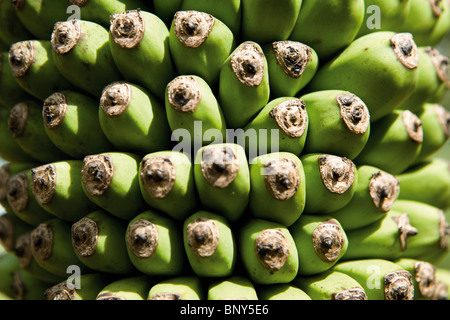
232, 149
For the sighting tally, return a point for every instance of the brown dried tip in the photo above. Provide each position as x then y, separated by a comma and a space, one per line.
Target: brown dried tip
272, 249
18, 4
406, 50
440, 291
43, 183
65, 36
192, 28
54, 110
282, 178
142, 238
220, 165
384, 189
337, 173
184, 94
444, 231
405, 230
354, 112
17, 192
85, 236
157, 176
97, 173
443, 118
292, 56
4, 176
291, 117
127, 28
203, 237
79, 3
60, 291
350, 294
398, 285
42, 242
248, 64
328, 241
413, 126
437, 7
18, 286
166, 296
109, 296
18, 118
6, 233
21, 58
440, 63
22, 250
425, 278
115, 98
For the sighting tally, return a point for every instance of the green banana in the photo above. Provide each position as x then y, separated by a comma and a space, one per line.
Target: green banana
395, 142
11, 28
129, 288
209, 244
278, 187
27, 287
235, 287
229, 11
139, 42
375, 192
111, 180
199, 44
26, 127
331, 285
282, 125
178, 288
11, 229
330, 182
321, 242
51, 246
282, 292
427, 182
268, 252
57, 188
191, 105
443, 276
361, 63
90, 285
76, 48
336, 24
222, 179
264, 21
98, 242
71, 123
291, 65
133, 119
244, 87
167, 183
31, 61
381, 279
9, 264
165, 9
154, 244
442, 26
339, 123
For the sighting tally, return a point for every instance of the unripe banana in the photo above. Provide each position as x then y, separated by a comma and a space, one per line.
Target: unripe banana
98, 242
330, 182
51, 246
31, 61
339, 123
375, 192
11, 229
71, 123
209, 244
57, 188
191, 105
282, 292
139, 42
129, 288
179, 288
167, 183
235, 287
282, 125
357, 69
427, 182
222, 179
395, 142
199, 44
244, 87
9, 264
90, 285
9, 148
155, 245
27, 287
268, 252
11, 28
381, 279
26, 127
321, 242
165, 9
328, 26
264, 21
76, 48
111, 180
331, 285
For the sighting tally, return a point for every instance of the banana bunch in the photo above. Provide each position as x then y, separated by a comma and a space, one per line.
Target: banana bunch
217, 150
